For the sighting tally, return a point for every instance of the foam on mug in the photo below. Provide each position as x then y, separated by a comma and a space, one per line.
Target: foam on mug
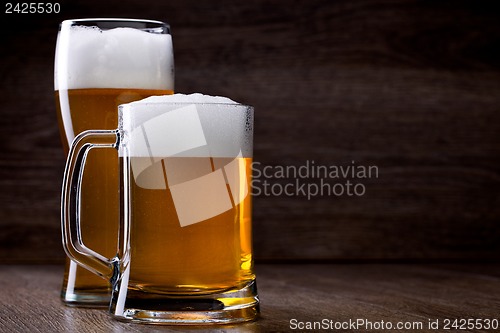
186, 99
88, 57
193, 125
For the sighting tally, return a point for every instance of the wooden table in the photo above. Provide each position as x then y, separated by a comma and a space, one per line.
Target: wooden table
340, 293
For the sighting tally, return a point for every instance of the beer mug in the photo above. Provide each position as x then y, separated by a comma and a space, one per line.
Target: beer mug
100, 64
185, 247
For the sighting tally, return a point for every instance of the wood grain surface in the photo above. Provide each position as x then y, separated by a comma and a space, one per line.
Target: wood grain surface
29, 298
411, 87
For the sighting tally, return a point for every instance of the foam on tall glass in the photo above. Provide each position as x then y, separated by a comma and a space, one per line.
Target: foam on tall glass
115, 58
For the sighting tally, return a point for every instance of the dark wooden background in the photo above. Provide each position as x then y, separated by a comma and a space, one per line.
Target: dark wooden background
412, 87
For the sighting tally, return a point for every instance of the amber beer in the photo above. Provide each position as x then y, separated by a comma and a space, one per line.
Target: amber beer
99, 65
211, 256
184, 252
88, 109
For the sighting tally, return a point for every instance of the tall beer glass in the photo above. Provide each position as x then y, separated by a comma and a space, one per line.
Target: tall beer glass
99, 64
185, 249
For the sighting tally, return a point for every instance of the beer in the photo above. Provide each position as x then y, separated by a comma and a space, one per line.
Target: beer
89, 109
209, 256
95, 71
184, 253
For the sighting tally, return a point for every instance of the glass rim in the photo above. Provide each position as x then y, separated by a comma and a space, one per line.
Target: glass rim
145, 104
148, 25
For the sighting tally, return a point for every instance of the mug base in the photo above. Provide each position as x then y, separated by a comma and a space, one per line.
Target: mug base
92, 299
234, 306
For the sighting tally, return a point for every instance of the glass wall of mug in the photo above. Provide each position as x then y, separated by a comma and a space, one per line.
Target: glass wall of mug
99, 64
185, 253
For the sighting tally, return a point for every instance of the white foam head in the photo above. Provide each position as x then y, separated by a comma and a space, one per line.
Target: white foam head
88, 57
193, 125
186, 99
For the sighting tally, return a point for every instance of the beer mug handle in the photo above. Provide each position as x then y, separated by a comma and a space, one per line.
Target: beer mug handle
70, 200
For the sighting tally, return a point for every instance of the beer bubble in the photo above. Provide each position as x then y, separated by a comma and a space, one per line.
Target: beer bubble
197, 98
193, 125
115, 58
